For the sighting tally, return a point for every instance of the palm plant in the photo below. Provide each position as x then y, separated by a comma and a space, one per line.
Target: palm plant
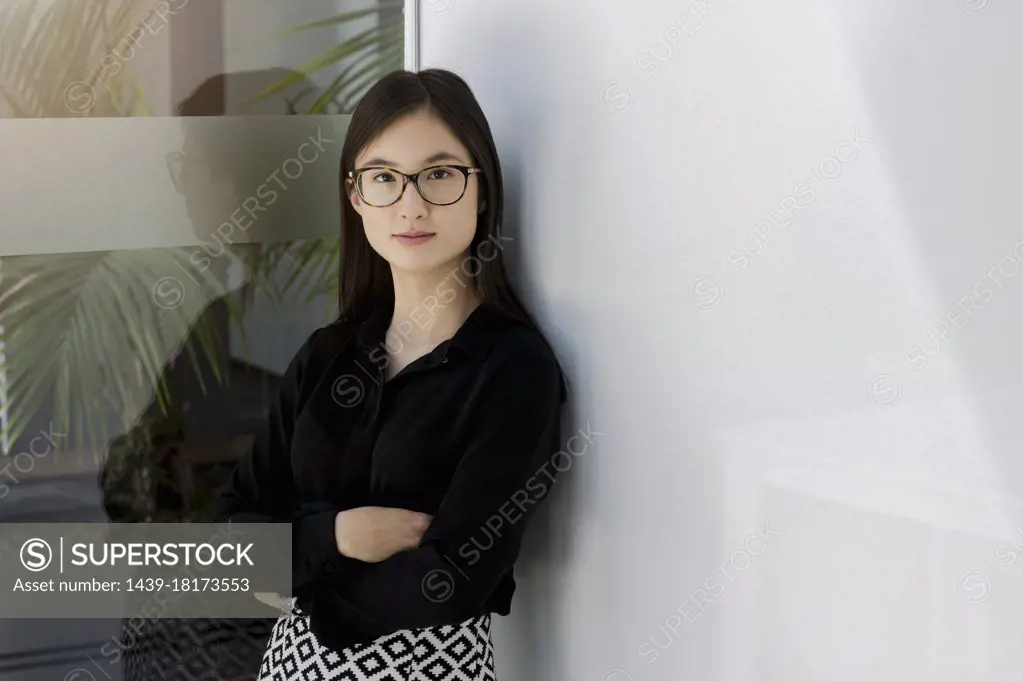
83, 334
81, 328
51, 59
359, 61
70, 320
369, 54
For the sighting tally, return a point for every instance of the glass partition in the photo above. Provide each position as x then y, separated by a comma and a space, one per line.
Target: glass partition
169, 223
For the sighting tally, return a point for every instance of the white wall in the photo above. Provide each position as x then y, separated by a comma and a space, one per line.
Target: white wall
788, 389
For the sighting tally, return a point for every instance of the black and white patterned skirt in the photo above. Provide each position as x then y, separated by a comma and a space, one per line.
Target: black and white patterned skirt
461, 652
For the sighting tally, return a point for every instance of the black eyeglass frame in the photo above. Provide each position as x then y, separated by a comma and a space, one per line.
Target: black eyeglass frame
414, 178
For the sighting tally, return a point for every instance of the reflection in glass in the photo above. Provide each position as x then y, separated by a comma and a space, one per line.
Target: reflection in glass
152, 365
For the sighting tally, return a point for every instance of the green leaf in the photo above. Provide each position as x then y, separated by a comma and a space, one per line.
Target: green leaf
82, 324
382, 45
336, 20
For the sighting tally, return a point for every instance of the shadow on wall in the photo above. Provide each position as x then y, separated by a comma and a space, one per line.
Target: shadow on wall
528, 640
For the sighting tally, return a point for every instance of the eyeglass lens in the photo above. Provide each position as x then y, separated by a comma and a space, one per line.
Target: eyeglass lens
441, 185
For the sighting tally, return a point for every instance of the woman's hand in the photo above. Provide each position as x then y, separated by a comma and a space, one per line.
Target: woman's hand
374, 533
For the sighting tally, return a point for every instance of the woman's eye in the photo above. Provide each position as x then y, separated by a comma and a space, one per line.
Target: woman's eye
440, 174
383, 177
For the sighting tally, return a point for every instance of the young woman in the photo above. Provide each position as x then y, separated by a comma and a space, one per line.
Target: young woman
411, 440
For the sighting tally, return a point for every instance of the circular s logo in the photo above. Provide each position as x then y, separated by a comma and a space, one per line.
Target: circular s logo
974, 586
438, 586
974, 6
616, 97
36, 555
347, 391
80, 97
440, 6
707, 292
885, 390
79, 675
168, 293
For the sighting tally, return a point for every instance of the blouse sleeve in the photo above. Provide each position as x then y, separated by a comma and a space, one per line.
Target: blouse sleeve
476, 534
261, 486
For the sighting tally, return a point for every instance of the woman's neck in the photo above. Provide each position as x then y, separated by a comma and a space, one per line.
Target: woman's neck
429, 307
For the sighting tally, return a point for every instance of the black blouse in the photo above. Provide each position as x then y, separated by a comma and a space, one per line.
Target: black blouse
464, 433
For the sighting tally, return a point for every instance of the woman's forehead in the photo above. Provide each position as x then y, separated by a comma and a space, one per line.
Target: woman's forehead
414, 141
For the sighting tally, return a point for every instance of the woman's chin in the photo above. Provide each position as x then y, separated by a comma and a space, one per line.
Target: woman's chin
421, 263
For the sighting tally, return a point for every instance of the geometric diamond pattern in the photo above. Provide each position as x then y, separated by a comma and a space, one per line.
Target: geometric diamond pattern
462, 652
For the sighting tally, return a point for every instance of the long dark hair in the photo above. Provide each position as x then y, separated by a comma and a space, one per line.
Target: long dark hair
365, 277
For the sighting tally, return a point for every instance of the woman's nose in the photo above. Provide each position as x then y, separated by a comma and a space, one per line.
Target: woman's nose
411, 205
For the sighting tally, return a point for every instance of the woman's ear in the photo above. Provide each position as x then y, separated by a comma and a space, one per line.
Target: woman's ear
353, 196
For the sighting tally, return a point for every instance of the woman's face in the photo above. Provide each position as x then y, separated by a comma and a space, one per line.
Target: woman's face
411, 143
210, 195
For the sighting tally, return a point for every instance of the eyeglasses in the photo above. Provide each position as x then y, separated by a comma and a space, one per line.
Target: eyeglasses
379, 186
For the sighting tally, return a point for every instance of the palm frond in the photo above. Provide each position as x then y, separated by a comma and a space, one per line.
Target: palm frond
335, 20
360, 60
311, 267
52, 58
85, 325
83, 332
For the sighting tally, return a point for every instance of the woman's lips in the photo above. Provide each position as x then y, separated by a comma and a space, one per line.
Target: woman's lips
418, 239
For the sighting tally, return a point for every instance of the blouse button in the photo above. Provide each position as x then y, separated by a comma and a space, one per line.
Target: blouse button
329, 568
